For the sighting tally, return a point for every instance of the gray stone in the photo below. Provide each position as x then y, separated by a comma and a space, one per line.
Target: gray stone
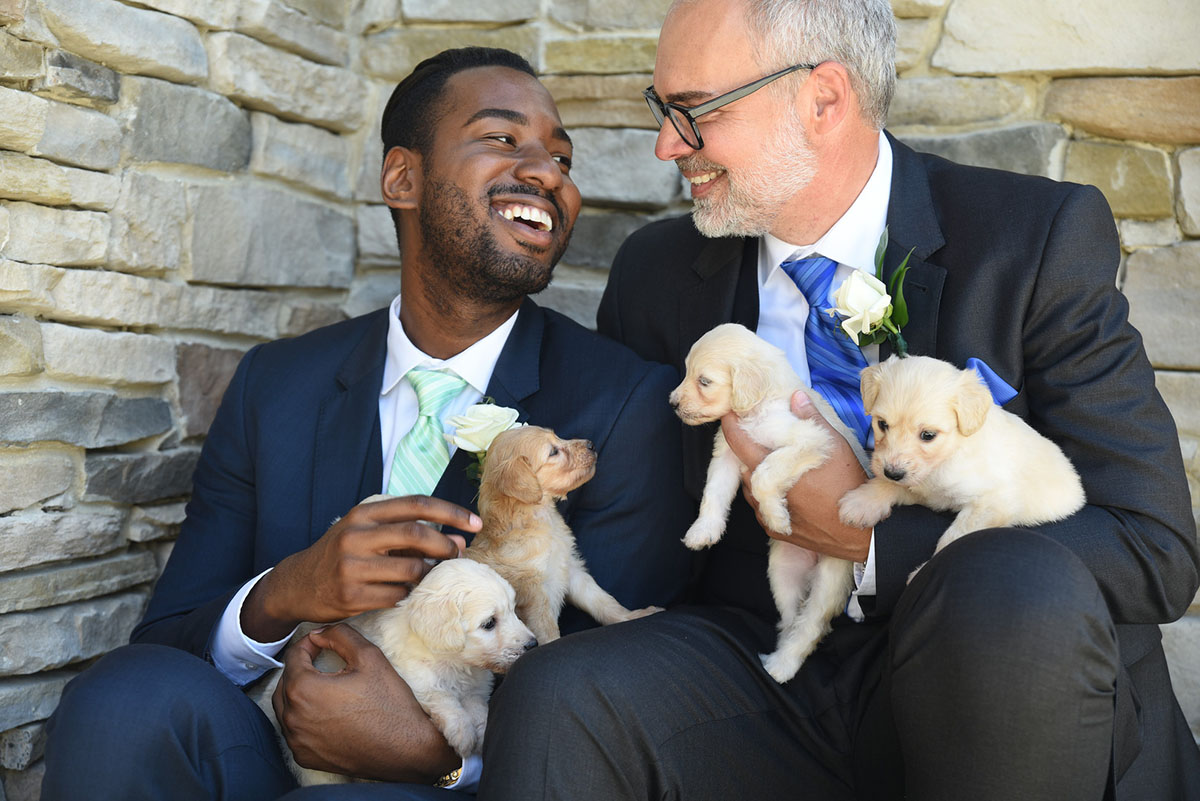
373, 291
1180, 391
576, 293
30, 476
25, 785
1189, 191
128, 39
953, 101
1163, 287
1077, 36
77, 80
21, 747
597, 236
43, 182
300, 154
607, 14
391, 54
140, 477
20, 346
377, 235
38, 234
26, 699
283, 26
183, 124
86, 419
57, 636
251, 235
19, 60
330, 12
148, 223
262, 77
78, 136
298, 317
77, 581
218, 14
150, 523
1181, 642
618, 168
113, 358
36, 538
1031, 148
1148, 233
469, 10
204, 373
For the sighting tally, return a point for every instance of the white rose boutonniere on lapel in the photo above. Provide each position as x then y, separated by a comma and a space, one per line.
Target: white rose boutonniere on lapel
476, 427
871, 311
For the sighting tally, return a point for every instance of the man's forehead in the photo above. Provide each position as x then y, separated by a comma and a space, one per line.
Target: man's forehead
702, 52
478, 88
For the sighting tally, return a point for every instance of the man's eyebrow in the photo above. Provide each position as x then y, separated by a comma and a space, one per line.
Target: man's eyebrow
515, 117
693, 97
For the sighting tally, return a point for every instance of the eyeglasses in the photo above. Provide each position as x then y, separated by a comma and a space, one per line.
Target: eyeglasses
684, 118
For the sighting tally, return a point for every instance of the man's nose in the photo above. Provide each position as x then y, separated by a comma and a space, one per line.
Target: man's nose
670, 145
537, 166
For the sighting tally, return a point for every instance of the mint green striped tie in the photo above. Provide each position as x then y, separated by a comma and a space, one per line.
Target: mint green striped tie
421, 454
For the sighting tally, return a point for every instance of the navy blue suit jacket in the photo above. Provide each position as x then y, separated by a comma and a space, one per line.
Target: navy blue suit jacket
296, 444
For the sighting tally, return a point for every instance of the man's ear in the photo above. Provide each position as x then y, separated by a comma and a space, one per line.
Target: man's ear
830, 96
400, 179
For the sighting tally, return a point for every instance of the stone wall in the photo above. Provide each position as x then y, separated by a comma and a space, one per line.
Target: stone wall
180, 180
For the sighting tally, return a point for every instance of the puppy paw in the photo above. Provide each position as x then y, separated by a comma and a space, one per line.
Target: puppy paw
703, 533
781, 667
863, 508
774, 513
634, 614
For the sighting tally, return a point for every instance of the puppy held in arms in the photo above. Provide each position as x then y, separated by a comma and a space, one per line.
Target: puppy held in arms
941, 442
446, 639
527, 470
731, 369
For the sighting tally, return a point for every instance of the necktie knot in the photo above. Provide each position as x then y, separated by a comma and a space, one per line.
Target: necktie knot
434, 389
812, 277
421, 454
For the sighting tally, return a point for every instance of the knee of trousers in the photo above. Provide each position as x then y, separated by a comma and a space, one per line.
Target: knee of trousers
1003, 591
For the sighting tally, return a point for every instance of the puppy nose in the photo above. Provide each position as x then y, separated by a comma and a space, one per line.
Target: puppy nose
894, 473
587, 443
529, 646
673, 400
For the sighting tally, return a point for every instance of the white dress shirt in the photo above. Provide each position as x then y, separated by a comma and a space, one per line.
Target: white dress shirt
783, 309
242, 659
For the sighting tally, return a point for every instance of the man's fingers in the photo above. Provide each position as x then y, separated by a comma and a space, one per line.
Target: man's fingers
420, 507
344, 641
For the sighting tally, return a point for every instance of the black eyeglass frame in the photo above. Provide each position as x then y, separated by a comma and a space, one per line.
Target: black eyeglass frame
659, 108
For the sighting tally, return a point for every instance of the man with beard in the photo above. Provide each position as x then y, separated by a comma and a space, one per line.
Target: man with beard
1017, 663
477, 172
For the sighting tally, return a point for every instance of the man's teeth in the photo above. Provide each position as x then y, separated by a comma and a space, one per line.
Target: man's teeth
696, 180
530, 214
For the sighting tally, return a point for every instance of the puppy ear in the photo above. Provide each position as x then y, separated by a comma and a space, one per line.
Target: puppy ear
515, 479
972, 403
436, 617
749, 382
868, 382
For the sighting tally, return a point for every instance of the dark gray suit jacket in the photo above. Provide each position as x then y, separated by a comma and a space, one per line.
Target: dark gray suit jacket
1021, 273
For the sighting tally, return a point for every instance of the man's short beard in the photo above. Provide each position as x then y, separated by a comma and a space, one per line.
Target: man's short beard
754, 196
463, 250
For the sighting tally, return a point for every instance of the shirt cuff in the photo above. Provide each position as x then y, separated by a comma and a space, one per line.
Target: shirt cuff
864, 582
468, 780
239, 658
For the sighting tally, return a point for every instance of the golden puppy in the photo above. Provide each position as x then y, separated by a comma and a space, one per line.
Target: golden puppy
732, 369
525, 538
446, 639
941, 442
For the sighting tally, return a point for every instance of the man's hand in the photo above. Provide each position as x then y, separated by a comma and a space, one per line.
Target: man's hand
813, 501
361, 721
368, 559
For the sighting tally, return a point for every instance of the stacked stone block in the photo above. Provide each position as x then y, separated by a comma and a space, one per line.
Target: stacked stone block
180, 180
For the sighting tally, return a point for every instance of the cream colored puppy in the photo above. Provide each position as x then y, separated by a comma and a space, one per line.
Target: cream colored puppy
941, 442
527, 470
732, 369
446, 639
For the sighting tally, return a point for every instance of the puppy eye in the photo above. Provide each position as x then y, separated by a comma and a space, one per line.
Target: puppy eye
489, 624
703, 381
882, 424
554, 450
928, 436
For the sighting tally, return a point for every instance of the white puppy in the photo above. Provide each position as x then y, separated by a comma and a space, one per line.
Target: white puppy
732, 369
941, 442
446, 639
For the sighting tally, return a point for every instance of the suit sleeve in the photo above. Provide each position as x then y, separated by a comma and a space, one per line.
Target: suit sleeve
214, 553
1089, 386
630, 518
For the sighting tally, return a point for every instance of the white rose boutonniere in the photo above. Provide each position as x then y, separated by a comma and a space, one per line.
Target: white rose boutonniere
872, 312
475, 429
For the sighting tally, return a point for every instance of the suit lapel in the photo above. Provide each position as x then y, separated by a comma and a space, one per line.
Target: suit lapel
710, 300
347, 463
912, 224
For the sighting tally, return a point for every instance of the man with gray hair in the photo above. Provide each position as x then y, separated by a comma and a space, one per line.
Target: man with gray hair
1018, 663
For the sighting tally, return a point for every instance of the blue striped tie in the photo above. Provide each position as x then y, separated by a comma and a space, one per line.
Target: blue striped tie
422, 455
834, 360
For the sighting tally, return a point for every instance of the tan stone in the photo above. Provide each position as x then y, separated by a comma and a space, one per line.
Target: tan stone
204, 373
20, 346
1148, 233
19, 60
469, 10
148, 223
914, 38
392, 54
1163, 287
601, 54
12, 11
22, 119
110, 358
330, 12
28, 476
1181, 391
917, 8
41, 181
1150, 109
283, 26
1189, 191
39, 234
953, 101
1069, 36
602, 101
1136, 181
219, 14
601, 14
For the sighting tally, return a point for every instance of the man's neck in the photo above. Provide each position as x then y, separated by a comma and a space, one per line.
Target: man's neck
446, 330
